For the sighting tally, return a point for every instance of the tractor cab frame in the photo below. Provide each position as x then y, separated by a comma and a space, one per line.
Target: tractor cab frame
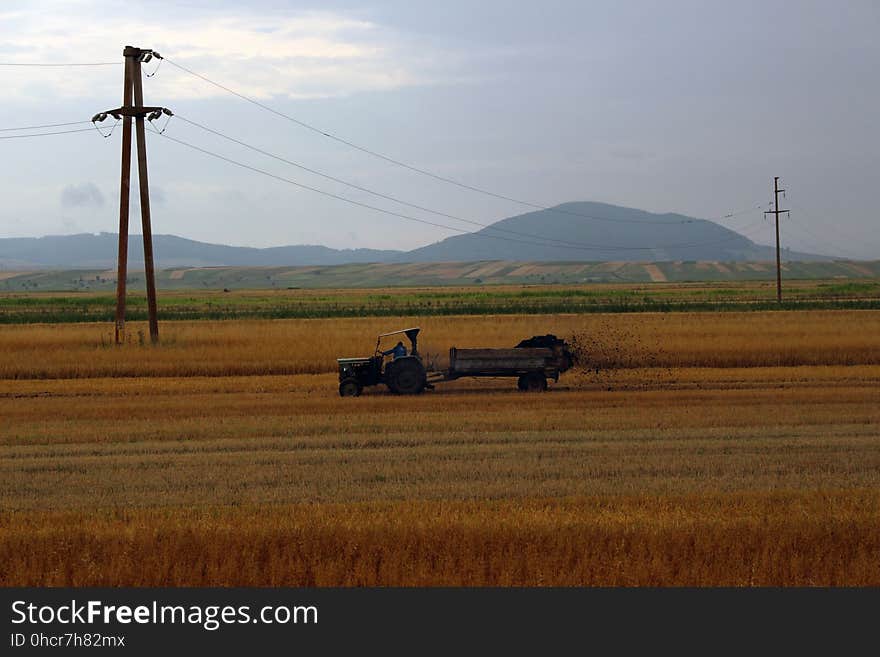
411, 333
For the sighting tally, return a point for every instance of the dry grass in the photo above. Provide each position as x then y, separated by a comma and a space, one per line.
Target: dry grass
732, 474
311, 346
803, 539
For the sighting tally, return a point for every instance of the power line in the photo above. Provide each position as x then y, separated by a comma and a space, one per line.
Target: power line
748, 227
823, 243
810, 243
425, 221
361, 188
336, 196
350, 144
40, 127
843, 234
411, 167
47, 65
732, 215
47, 134
402, 202
373, 192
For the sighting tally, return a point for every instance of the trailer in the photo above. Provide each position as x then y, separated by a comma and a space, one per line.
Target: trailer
532, 362
531, 366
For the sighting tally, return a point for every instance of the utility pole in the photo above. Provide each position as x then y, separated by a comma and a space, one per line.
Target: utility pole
133, 107
777, 212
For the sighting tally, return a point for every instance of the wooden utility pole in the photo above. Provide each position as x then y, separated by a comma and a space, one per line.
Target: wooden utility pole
133, 107
146, 227
777, 212
122, 257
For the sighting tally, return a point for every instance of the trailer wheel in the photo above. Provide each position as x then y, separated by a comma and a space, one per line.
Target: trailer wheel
533, 382
350, 388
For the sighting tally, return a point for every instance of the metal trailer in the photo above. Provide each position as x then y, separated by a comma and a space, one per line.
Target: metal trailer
531, 366
532, 362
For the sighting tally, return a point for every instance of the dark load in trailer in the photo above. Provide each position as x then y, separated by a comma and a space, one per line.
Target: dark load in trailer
532, 362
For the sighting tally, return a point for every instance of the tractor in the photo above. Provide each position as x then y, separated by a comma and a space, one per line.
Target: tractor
405, 375
532, 362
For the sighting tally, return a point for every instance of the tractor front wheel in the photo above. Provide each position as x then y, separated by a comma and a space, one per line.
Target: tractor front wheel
349, 388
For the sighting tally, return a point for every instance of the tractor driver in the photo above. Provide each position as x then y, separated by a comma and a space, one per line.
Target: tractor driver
397, 351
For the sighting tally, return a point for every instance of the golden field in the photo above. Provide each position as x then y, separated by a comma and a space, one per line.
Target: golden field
735, 449
310, 346
805, 539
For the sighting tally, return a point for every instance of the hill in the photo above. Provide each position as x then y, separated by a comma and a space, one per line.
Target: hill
582, 232
600, 232
89, 251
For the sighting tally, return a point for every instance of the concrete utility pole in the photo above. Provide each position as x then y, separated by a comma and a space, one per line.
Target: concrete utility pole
133, 87
777, 212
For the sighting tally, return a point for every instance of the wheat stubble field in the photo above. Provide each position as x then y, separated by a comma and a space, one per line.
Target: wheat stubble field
695, 449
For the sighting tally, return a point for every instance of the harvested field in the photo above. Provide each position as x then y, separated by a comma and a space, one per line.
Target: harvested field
805, 539
230, 348
431, 274
740, 449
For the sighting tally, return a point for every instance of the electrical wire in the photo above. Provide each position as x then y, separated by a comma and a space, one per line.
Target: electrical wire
40, 127
158, 66
733, 215
330, 194
425, 221
101, 132
350, 144
544, 240
411, 167
821, 241
371, 191
749, 227
45, 65
808, 243
47, 134
161, 130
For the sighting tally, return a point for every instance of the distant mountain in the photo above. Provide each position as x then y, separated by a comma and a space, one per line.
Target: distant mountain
569, 232
89, 251
599, 232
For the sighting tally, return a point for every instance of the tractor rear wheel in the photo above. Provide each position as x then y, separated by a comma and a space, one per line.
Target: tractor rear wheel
407, 377
532, 382
350, 387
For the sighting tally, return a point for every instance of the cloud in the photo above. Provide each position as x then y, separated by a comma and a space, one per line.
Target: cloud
296, 55
85, 195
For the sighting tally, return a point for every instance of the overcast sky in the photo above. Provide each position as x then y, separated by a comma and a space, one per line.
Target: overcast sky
687, 107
